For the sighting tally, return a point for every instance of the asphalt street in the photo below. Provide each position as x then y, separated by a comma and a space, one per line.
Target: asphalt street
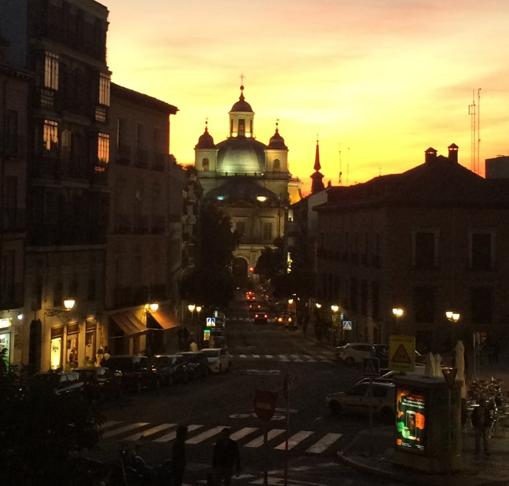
263, 354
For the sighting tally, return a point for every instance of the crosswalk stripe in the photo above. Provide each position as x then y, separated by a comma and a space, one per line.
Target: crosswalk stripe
125, 428
295, 357
255, 355
269, 356
295, 439
242, 356
148, 432
108, 424
240, 434
326, 441
259, 440
205, 435
171, 436
283, 357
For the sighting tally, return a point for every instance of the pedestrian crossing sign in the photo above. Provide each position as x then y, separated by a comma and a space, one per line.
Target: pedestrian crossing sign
402, 353
211, 322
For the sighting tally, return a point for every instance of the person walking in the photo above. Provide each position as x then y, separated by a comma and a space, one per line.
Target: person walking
482, 420
225, 459
178, 455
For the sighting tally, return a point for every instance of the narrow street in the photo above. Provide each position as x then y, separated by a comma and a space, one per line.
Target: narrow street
262, 355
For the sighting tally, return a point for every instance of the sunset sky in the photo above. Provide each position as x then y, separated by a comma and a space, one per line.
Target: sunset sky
378, 80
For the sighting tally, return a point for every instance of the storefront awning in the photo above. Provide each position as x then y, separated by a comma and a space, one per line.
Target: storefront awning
128, 323
164, 318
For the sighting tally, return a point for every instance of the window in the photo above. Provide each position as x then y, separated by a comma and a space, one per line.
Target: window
104, 90
103, 147
425, 255
50, 137
277, 164
7, 284
139, 136
242, 127
481, 251
375, 300
205, 164
267, 231
424, 304
51, 71
11, 132
481, 305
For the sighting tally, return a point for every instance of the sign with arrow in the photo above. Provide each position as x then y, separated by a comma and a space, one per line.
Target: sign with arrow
402, 353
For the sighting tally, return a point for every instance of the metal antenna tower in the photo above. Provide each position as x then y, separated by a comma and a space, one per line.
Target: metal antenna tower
474, 110
340, 167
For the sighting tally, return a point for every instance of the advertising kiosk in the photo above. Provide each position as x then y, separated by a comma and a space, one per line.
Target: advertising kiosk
428, 424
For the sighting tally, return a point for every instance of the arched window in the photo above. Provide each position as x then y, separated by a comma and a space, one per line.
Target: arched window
205, 164
277, 164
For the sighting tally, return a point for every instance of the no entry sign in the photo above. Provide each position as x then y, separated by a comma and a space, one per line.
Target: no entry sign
265, 404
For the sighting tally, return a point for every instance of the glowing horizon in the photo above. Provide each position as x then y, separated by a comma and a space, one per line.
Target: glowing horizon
378, 80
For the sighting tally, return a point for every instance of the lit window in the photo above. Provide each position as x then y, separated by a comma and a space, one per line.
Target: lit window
50, 136
103, 147
104, 90
51, 71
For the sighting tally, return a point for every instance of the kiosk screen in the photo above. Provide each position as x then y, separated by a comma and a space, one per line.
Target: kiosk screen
410, 419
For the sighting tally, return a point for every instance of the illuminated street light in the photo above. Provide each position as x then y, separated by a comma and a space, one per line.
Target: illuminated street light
198, 308
154, 306
398, 312
261, 198
318, 305
191, 307
69, 304
20, 317
290, 301
452, 316
334, 308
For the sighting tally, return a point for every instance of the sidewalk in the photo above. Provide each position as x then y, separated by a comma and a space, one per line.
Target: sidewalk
372, 454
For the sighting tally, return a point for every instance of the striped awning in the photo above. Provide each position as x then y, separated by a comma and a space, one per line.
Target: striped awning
128, 323
164, 317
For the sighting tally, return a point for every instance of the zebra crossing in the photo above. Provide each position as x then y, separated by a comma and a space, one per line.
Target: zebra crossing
285, 358
307, 441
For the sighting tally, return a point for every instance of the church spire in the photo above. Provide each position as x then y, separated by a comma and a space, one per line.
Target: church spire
317, 176
317, 165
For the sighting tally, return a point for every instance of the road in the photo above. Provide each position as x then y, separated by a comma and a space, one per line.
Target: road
262, 355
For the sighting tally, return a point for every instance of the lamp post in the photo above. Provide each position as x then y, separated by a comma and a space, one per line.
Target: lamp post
398, 313
57, 342
335, 324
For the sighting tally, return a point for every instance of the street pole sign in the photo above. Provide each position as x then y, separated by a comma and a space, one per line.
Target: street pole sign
402, 353
211, 322
265, 404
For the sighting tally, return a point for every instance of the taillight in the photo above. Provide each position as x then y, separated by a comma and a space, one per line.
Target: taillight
265, 316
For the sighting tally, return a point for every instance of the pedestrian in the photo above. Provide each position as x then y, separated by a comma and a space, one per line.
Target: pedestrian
225, 459
193, 346
482, 420
106, 356
178, 455
99, 357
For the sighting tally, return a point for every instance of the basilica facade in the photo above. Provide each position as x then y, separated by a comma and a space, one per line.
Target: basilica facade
250, 181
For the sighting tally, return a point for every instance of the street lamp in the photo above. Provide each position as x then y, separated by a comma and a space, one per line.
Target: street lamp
318, 305
452, 316
191, 308
334, 308
69, 304
398, 313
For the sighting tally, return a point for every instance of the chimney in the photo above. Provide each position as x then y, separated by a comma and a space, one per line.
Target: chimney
453, 153
430, 154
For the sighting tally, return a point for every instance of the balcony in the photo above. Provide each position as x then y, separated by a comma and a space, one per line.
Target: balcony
123, 154
141, 158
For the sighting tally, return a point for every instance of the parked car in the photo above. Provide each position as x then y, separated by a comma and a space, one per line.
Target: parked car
171, 368
358, 400
135, 372
355, 353
218, 359
261, 318
100, 383
197, 364
60, 382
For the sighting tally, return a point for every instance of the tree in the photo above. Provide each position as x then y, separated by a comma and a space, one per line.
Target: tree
210, 283
272, 261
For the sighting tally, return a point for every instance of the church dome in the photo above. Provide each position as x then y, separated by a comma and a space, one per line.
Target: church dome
205, 141
277, 141
240, 155
242, 105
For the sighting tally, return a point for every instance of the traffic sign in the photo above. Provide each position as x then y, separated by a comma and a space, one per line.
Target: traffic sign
210, 321
265, 404
402, 353
347, 325
371, 367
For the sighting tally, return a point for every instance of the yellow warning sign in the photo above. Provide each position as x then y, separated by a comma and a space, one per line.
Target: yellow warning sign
402, 353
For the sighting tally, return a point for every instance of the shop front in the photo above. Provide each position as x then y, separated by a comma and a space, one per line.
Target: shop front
5, 341
56, 347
